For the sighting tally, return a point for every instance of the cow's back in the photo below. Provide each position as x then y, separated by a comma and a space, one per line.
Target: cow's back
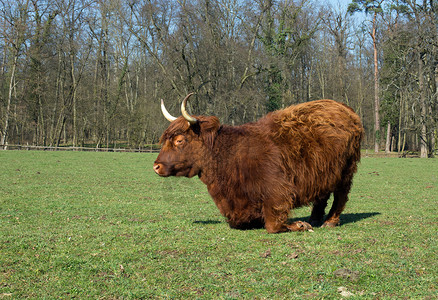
318, 141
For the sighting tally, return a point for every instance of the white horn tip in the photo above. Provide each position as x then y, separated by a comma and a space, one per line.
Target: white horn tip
184, 112
166, 114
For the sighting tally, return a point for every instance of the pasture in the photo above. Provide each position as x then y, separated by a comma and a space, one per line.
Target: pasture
103, 225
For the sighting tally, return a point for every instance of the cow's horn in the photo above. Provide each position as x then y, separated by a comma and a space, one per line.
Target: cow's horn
184, 112
166, 114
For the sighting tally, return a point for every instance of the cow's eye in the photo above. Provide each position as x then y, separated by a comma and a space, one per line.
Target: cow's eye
179, 140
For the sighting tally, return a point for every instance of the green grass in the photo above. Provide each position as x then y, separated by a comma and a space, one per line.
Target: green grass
103, 225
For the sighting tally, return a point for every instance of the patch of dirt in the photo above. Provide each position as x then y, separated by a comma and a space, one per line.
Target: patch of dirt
347, 274
266, 254
292, 256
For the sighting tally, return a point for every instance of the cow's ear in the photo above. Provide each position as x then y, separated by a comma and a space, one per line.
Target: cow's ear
209, 127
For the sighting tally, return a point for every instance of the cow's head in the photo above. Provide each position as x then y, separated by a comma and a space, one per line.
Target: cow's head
186, 143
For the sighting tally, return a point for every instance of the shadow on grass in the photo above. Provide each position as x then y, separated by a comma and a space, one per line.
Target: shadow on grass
207, 222
351, 218
345, 218
248, 226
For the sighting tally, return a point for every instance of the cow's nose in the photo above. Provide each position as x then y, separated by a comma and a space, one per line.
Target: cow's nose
157, 167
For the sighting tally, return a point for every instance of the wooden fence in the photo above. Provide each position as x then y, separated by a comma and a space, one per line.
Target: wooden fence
53, 148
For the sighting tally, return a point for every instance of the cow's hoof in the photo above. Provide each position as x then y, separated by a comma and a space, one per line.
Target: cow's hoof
300, 226
315, 223
330, 224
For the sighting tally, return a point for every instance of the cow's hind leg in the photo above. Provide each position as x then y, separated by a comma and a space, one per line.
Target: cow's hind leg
339, 201
341, 195
340, 198
318, 210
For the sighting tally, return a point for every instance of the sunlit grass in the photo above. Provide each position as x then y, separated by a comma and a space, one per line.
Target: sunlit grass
103, 225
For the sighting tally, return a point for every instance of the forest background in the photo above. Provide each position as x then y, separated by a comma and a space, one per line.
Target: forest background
92, 72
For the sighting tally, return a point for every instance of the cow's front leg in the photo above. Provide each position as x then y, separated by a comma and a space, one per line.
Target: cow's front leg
273, 226
276, 220
276, 212
299, 226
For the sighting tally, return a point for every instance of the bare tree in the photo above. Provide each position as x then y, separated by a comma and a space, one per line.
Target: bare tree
374, 6
339, 26
15, 17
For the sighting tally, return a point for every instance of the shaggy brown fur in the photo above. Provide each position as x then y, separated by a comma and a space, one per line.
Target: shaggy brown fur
256, 173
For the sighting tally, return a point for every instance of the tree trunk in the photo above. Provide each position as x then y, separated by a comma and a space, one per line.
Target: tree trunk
400, 123
73, 95
388, 138
4, 139
376, 89
423, 132
403, 143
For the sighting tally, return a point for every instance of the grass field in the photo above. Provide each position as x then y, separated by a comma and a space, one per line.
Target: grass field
103, 225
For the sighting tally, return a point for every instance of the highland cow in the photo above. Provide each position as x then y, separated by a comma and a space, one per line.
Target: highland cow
257, 172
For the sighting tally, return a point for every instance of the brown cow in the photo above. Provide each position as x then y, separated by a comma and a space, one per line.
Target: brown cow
257, 172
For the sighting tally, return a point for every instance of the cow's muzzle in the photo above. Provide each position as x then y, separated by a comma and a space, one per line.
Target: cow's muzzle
159, 169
